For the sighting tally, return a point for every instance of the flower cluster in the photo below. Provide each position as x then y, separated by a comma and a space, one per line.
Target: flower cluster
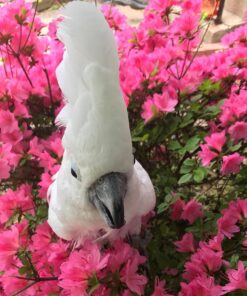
209, 257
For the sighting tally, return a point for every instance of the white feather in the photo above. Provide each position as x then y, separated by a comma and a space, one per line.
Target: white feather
97, 135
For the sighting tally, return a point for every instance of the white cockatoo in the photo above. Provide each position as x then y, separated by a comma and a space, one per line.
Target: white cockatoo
98, 191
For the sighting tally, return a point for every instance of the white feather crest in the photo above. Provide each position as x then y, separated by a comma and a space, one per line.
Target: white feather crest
97, 134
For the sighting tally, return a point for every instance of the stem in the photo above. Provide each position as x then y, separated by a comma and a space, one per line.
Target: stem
199, 46
185, 58
49, 87
19, 46
40, 279
35, 281
35, 273
197, 50
23, 68
32, 23
24, 289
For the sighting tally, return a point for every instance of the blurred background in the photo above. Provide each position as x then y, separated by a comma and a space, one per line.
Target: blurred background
228, 15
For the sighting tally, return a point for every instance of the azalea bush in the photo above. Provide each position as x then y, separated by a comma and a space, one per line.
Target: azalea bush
188, 117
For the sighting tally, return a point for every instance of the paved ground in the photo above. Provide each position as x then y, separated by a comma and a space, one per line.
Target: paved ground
134, 16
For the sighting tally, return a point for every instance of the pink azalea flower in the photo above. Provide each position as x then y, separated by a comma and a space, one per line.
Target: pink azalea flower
227, 225
42, 237
56, 146
121, 254
245, 241
210, 258
9, 245
242, 207
149, 110
177, 209
194, 268
192, 211
237, 279
216, 242
186, 24
165, 102
8, 159
231, 163
80, 267
193, 5
233, 209
234, 107
11, 200
4, 169
186, 244
8, 123
134, 281
57, 253
45, 182
21, 110
35, 147
161, 6
204, 261
14, 139
206, 155
216, 140
11, 284
239, 130
201, 285
159, 289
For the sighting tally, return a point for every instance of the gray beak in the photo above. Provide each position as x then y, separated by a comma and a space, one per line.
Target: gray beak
107, 195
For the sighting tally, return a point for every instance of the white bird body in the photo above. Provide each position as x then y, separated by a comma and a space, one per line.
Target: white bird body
97, 137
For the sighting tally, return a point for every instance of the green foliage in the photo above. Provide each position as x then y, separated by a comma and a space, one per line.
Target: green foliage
171, 142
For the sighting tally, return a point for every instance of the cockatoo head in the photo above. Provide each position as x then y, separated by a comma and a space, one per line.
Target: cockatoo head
106, 195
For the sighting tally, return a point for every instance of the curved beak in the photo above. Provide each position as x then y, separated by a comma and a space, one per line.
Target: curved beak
107, 195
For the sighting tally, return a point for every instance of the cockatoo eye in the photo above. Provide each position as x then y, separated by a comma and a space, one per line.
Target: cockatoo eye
75, 172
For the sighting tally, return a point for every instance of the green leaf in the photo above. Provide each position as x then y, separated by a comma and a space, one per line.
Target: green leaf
169, 199
192, 144
93, 284
214, 110
187, 166
174, 145
185, 179
196, 98
234, 260
187, 120
199, 174
189, 162
42, 211
143, 138
155, 70
235, 147
209, 86
185, 169
23, 270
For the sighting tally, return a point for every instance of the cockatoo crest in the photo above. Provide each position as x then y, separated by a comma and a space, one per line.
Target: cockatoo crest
97, 131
